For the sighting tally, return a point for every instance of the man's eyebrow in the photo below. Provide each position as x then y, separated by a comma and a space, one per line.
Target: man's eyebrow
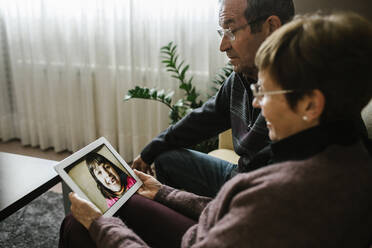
228, 21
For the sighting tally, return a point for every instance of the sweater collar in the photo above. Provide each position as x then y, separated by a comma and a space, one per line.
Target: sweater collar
246, 81
314, 140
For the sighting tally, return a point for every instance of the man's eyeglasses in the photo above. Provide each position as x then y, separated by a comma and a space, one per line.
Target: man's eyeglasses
231, 33
258, 93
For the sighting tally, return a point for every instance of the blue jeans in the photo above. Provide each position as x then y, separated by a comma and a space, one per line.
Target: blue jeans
193, 171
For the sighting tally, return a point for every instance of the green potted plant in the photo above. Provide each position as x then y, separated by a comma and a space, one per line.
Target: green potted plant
190, 99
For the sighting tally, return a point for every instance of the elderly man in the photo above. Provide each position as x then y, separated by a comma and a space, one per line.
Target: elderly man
244, 25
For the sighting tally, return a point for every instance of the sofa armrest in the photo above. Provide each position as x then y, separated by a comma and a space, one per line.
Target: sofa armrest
225, 149
225, 140
225, 154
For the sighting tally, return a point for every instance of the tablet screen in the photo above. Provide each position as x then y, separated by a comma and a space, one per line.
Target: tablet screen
100, 176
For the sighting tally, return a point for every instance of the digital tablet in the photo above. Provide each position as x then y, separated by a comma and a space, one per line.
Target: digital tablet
100, 175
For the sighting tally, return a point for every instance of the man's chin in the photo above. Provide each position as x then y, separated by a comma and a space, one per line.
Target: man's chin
237, 68
250, 72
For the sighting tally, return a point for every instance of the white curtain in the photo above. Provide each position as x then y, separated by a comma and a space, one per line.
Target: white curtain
7, 129
72, 62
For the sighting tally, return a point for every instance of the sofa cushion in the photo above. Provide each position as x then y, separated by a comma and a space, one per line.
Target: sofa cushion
225, 154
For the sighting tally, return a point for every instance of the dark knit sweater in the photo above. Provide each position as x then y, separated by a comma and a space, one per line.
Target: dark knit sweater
320, 197
230, 108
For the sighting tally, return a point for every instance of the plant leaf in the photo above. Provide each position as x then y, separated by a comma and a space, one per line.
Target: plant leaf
127, 97
190, 80
184, 71
167, 52
161, 94
173, 49
169, 95
183, 86
179, 66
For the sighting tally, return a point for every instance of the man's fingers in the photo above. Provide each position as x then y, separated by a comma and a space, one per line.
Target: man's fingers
141, 175
139, 166
149, 171
134, 165
144, 167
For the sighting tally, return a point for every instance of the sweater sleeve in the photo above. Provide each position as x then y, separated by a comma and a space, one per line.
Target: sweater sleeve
202, 123
112, 232
237, 217
186, 203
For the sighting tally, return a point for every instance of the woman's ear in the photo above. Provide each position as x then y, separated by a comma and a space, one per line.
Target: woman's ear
312, 106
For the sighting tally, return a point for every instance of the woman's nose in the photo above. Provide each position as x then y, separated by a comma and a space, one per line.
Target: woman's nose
108, 173
105, 173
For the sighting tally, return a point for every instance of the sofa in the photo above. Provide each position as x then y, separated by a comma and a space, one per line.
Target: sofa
225, 149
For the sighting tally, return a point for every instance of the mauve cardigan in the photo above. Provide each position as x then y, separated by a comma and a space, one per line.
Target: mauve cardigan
324, 201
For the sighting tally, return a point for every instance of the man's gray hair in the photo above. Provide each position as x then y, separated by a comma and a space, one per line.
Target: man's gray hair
258, 10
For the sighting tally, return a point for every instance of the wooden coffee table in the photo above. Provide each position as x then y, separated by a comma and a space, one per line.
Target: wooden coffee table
22, 179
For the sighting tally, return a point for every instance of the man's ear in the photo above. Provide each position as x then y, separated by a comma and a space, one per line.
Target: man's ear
274, 23
312, 106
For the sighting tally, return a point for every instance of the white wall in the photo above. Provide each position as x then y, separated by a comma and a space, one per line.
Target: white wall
363, 7
367, 117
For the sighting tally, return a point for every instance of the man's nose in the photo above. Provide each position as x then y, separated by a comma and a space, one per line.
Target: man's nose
225, 44
256, 102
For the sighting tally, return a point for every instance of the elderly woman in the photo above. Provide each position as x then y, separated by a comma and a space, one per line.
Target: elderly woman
314, 80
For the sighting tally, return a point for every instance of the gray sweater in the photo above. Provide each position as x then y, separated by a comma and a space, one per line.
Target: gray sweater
324, 201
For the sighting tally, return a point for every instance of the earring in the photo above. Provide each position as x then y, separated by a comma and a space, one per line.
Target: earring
305, 118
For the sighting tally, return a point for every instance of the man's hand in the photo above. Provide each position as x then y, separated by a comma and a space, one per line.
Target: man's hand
150, 185
83, 211
140, 165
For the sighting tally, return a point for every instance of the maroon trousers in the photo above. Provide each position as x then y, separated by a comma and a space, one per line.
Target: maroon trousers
156, 224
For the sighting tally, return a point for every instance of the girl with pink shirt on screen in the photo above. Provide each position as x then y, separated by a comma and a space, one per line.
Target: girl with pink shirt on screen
111, 181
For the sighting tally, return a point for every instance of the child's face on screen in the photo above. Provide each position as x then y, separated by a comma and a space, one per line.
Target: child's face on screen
107, 175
